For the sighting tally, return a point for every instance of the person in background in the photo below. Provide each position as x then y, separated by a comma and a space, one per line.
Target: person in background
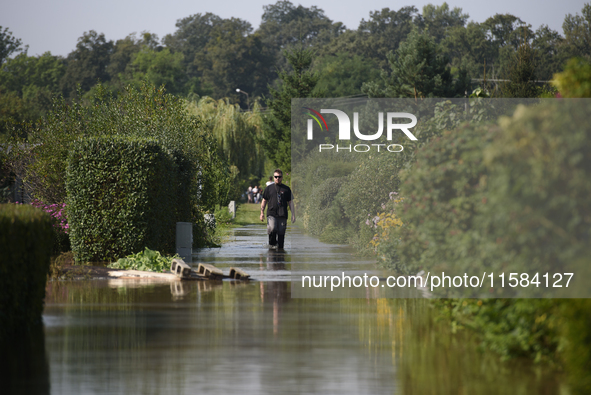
270, 182
255, 193
249, 193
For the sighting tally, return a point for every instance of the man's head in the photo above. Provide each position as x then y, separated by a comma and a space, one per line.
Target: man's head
278, 176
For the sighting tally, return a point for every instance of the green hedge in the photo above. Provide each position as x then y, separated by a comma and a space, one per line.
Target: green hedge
26, 242
125, 194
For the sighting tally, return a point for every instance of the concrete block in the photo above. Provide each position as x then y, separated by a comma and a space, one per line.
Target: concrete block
179, 268
238, 274
209, 271
232, 208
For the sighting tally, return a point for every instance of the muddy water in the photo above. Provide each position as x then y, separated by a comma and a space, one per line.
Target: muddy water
114, 337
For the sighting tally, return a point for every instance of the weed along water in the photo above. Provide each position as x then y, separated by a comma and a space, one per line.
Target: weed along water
220, 337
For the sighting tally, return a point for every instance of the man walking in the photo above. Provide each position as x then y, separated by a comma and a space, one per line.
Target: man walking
279, 197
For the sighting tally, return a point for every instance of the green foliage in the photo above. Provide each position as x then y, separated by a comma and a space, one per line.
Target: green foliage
238, 136
146, 260
511, 197
158, 68
8, 44
220, 55
319, 204
88, 63
439, 19
27, 84
539, 185
550, 56
521, 74
577, 32
375, 37
234, 58
147, 112
575, 80
578, 344
343, 75
284, 27
299, 83
26, 242
125, 194
506, 197
442, 192
419, 70
511, 328
369, 186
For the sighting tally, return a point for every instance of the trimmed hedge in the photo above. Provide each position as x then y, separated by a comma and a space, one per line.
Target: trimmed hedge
125, 194
26, 242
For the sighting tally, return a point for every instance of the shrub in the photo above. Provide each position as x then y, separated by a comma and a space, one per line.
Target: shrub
575, 80
441, 194
125, 194
26, 242
319, 204
146, 260
40, 159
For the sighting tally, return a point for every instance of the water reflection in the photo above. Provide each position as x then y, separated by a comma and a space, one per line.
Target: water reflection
224, 336
23, 363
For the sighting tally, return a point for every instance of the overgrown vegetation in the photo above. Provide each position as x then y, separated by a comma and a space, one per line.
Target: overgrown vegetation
146, 260
40, 158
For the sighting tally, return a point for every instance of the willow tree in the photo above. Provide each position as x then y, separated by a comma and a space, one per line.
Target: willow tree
237, 133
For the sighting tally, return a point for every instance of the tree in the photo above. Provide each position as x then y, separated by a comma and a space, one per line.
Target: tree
234, 58
238, 134
577, 32
548, 45
343, 74
507, 29
88, 63
285, 26
192, 35
521, 74
157, 68
470, 48
299, 83
29, 82
439, 19
375, 37
8, 44
419, 70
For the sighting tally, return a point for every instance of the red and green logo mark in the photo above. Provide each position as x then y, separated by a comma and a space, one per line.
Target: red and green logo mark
315, 114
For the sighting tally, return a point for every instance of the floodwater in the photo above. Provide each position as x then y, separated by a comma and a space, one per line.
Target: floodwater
224, 337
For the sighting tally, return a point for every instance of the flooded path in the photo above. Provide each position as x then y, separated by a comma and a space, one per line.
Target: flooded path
108, 337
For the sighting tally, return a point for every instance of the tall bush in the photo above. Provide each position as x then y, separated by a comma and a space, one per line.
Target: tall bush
125, 194
26, 242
